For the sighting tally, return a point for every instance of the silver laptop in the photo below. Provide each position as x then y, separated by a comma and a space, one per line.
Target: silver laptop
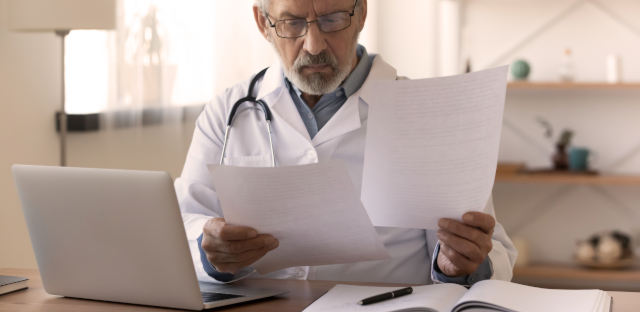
115, 235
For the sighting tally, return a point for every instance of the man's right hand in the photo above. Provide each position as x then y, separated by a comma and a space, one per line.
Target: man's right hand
230, 248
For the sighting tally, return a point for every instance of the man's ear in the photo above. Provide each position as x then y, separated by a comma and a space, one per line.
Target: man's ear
261, 22
363, 16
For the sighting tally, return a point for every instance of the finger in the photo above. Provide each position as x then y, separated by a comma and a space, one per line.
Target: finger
465, 265
464, 247
230, 232
213, 226
481, 220
218, 228
243, 257
256, 256
240, 246
236, 263
473, 234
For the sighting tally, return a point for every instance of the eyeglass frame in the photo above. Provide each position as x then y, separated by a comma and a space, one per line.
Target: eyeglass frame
306, 27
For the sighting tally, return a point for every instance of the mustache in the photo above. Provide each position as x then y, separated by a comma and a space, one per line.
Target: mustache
307, 59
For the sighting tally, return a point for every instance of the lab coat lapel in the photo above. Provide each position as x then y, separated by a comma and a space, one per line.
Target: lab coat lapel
274, 92
347, 118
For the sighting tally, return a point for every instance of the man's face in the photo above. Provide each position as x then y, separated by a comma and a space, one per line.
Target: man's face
317, 62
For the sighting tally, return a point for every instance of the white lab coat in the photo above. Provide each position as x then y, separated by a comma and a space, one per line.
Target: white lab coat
341, 138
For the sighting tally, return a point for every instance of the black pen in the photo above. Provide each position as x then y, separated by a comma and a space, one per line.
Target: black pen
386, 296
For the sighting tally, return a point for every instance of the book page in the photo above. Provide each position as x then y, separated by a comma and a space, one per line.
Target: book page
521, 298
345, 298
432, 147
313, 210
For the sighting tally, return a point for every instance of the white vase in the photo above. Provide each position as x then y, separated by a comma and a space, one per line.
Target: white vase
614, 68
567, 71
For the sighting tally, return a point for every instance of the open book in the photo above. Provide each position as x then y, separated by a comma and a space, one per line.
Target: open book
488, 295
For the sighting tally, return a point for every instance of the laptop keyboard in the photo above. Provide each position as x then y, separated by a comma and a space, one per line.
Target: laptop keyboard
211, 296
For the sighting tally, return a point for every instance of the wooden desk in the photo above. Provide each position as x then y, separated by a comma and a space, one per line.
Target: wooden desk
301, 294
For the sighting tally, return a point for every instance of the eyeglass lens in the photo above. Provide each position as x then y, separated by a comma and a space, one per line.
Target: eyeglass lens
292, 28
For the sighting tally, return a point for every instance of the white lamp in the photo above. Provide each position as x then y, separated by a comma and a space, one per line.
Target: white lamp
61, 16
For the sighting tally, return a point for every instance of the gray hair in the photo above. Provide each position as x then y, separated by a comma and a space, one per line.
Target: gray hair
263, 5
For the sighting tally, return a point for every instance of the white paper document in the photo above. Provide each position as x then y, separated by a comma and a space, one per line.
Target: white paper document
313, 210
432, 147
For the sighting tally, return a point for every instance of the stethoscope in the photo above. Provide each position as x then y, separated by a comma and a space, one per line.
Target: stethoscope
251, 99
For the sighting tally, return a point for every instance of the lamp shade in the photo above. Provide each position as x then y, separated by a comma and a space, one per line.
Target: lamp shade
50, 15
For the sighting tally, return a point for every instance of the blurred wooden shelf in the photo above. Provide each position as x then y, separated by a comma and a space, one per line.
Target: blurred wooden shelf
572, 276
572, 272
547, 85
568, 178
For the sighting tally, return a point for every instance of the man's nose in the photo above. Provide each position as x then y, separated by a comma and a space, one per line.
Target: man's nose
314, 41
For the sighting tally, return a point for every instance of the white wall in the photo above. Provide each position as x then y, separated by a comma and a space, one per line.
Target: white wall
29, 93
160, 147
406, 35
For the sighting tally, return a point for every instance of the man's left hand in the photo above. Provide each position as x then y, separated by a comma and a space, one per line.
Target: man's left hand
464, 245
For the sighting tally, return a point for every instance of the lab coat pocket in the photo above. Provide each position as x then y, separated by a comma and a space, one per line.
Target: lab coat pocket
248, 161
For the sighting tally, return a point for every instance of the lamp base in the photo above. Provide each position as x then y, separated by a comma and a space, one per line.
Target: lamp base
80, 122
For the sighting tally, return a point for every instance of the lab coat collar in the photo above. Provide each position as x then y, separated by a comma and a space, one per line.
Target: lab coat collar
346, 119
273, 79
274, 92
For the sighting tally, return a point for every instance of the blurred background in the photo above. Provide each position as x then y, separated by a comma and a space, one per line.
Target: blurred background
570, 151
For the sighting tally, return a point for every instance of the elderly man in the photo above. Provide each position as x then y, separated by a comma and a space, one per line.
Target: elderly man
313, 94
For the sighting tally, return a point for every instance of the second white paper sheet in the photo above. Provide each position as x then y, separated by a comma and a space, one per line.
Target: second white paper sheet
313, 210
432, 147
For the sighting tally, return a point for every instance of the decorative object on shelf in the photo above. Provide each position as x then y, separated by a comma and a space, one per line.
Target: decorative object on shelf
614, 68
567, 71
579, 159
608, 250
561, 158
520, 70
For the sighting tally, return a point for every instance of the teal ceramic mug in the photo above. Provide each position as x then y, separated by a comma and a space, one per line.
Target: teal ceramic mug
578, 159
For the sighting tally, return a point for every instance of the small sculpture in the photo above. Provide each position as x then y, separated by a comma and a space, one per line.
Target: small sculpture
567, 71
606, 249
561, 157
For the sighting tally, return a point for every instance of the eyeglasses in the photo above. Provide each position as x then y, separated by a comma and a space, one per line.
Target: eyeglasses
297, 27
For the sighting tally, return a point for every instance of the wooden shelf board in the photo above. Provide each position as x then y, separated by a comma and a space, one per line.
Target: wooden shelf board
567, 178
549, 85
575, 273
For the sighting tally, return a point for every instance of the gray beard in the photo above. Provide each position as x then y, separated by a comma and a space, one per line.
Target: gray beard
318, 83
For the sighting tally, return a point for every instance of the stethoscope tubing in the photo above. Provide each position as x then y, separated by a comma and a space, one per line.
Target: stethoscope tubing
267, 117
